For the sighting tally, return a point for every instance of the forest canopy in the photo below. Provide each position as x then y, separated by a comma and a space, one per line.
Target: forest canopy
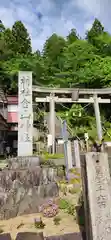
63, 62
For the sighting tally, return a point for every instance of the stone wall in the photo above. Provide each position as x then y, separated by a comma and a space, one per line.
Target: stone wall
24, 186
39, 236
24, 162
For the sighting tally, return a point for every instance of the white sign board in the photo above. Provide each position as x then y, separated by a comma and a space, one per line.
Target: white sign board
60, 141
86, 136
108, 144
49, 140
25, 115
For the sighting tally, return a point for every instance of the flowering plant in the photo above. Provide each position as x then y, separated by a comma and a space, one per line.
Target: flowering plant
49, 209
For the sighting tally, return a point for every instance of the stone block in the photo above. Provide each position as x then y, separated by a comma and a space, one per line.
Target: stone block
68, 236
5, 236
29, 236
24, 162
23, 190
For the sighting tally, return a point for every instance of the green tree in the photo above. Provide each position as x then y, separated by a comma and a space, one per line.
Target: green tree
22, 42
103, 44
6, 45
76, 55
70, 62
32, 63
72, 37
78, 119
2, 27
96, 30
2, 43
53, 57
96, 73
53, 47
8, 41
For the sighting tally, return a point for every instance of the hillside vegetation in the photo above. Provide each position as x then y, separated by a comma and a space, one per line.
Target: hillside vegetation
63, 62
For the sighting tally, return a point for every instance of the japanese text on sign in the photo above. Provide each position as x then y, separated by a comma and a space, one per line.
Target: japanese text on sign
25, 109
100, 193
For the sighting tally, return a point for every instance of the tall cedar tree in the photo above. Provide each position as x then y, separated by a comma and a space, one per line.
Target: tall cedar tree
22, 41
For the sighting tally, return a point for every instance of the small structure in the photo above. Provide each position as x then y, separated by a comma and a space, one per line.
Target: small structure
3, 121
3, 134
12, 120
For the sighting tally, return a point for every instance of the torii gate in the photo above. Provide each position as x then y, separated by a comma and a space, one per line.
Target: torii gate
74, 93
25, 111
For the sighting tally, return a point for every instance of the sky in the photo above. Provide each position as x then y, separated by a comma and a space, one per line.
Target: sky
42, 18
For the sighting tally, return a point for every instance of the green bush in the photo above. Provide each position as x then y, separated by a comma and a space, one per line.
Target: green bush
67, 206
63, 204
47, 162
39, 223
60, 172
53, 156
1, 230
57, 220
74, 190
71, 210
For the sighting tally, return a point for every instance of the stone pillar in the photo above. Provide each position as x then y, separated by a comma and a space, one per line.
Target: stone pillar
76, 154
25, 114
69, 155
99, 195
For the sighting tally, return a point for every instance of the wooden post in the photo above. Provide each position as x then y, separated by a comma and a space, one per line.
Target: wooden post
99, 195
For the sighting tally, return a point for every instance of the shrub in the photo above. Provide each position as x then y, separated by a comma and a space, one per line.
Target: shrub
60, 172
39, 223
67, 206
1, 230
53, 156
71, 210
62, 188
74, 190
80, 210
63, 204
57, 220
47, 162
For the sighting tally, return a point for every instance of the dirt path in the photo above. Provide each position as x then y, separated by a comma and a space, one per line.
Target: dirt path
67, 225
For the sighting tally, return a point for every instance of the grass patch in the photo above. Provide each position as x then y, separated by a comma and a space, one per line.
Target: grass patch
1, 230
3, 163
63, 204
67, 207
74, 190
52, 156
